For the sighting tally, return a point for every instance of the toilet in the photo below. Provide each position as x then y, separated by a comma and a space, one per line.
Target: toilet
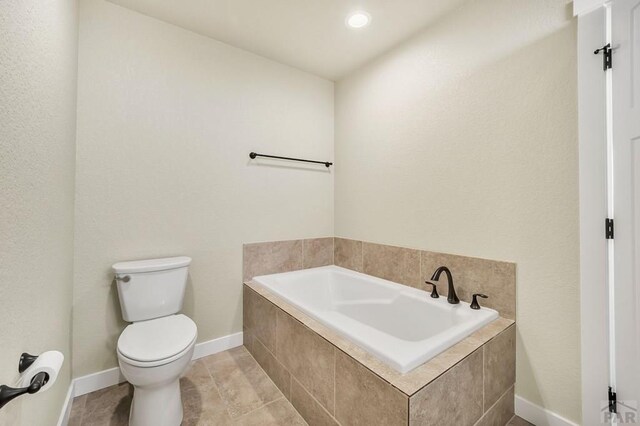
157, 347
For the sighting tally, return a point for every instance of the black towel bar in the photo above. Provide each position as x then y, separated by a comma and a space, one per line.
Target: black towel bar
253, 155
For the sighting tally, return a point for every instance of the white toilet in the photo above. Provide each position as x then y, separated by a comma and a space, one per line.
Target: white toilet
157, 348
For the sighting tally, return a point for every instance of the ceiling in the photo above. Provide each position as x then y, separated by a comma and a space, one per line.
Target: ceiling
307, 34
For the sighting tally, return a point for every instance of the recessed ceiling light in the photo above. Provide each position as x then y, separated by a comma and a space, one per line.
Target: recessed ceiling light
358, 19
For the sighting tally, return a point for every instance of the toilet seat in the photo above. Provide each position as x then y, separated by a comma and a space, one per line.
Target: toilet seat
158, 341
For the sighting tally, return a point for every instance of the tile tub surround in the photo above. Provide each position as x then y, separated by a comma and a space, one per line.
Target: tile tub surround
411, 267
284, 256
398, 264
331, 381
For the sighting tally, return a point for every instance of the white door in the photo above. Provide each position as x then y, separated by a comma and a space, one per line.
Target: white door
625, 37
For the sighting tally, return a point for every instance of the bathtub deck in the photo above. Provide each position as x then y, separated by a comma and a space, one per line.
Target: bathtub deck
332, 381
408, 383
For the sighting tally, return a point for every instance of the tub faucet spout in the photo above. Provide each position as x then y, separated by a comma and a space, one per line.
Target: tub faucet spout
451, 296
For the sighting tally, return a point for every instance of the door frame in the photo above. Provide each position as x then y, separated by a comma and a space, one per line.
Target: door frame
594, 294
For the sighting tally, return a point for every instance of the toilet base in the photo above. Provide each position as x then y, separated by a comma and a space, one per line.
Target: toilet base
156, 388
158, 405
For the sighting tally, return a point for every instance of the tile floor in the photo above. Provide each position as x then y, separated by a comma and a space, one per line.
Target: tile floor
228, 388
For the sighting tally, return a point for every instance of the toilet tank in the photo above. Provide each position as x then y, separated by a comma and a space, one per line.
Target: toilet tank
151, 288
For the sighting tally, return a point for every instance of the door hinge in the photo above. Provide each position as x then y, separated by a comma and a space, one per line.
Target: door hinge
606, 56
608, 229
613, 401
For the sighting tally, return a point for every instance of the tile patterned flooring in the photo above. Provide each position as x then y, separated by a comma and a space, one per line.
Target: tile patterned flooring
517, 421
228, 388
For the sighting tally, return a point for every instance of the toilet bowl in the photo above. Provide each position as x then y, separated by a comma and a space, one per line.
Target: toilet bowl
157, 348
153, 355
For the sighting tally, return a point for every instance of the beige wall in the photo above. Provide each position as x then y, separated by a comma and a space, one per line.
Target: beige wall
166, 120
38, 65
464, 140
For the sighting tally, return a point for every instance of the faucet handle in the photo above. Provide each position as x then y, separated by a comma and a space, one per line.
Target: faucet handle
434, 291
474, 300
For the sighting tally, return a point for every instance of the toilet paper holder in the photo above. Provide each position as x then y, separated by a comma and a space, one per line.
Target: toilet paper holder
8, 393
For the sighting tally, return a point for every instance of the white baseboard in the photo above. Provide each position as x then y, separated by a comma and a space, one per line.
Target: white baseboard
96, 381
63, 420
539, 416
217, 345
103, 379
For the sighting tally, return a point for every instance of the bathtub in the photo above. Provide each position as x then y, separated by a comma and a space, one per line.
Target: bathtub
402, 326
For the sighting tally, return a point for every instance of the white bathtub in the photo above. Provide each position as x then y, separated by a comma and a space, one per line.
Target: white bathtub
402, 326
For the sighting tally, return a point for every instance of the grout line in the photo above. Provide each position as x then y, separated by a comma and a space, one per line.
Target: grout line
322, 407
443, 373
224, 402
265, 371
496, 403
420, 269
221, 360
303, 254
292, 378
259, 408
217, 388
271, 380
483, 381
408, 410
333, 250
335, 368
275, 326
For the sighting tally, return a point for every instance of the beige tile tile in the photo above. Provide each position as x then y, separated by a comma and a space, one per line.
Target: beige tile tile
501, 412
473, 275
243, 385
197, 376
204, 407
260, 318
310, 409
273, 368
317, 252
247, 339
309, 357
271, 258
228, 355
116, 416
108, 406
455, 398
365, 399
517, 421
278, 413
397, 264
246, 309
77, 409
499, 365
348, 254
73, 420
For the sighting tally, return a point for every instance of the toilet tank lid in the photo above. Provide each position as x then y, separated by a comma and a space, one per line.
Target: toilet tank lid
151, 265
